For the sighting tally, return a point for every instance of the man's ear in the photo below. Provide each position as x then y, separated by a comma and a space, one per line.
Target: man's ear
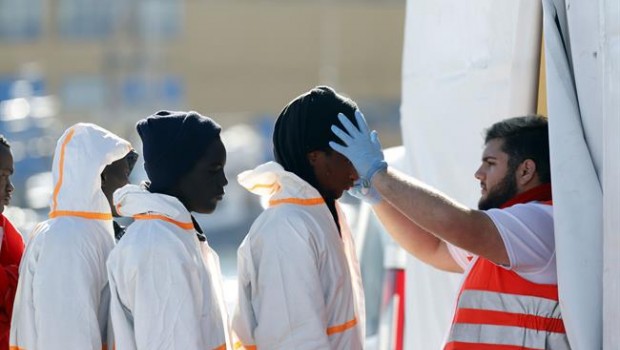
526, 172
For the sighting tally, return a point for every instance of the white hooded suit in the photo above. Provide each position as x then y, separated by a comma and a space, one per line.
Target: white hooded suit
299, 280
166, 284
62, 299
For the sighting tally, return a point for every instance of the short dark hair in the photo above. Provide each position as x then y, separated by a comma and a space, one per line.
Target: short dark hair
524, 138
4, 141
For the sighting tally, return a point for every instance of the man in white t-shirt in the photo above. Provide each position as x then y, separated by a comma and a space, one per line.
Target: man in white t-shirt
506, 248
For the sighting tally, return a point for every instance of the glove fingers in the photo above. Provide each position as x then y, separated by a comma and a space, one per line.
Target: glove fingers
374, 138
361, 122
343, 136
351, 129
338, 148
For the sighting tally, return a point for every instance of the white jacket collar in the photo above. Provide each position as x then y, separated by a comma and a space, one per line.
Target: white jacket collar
281, 186
135, 201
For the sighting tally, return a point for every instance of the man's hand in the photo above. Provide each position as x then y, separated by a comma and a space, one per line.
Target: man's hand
362, 147
367, 194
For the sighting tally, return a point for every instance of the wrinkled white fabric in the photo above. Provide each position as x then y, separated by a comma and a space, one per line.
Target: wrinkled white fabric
166, 285
299, 281
62, 300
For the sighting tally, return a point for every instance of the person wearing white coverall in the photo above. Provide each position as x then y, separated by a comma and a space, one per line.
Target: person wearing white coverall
62, 299
299, 279
165, 279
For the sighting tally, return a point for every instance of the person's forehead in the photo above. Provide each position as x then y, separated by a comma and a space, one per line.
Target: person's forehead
494, 148
494, 145
215, 151
5, 154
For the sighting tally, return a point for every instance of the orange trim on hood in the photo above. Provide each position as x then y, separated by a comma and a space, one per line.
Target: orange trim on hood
61, 165
274, 186
239, 346
297, 201
183, 225
83, 214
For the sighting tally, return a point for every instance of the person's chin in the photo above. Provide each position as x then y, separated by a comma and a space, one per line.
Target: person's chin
208, 209
337, 194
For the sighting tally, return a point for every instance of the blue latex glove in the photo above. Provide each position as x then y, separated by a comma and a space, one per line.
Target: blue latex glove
368, 195
362, 147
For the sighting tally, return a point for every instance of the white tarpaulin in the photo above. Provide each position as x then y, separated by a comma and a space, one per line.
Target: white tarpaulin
610, 49
581, 40
465, 65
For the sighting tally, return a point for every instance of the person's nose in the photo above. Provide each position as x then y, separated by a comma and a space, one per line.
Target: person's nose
354, 176
479, 174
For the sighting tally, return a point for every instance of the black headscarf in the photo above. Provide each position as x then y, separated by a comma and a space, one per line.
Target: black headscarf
172, 143
303, 126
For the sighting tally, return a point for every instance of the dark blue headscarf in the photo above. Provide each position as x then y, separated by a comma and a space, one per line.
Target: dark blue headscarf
172, 143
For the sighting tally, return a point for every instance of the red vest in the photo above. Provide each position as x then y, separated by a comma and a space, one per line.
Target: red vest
11, 252
500, 310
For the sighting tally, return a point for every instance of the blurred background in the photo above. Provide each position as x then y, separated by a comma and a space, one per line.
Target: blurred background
239, 61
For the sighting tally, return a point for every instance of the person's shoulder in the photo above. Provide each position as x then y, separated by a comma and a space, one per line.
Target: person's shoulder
280, 224
150, 242
532, 216
536, 209
152, 234
71, 232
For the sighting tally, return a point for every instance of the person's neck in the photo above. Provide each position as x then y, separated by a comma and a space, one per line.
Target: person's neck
541, 192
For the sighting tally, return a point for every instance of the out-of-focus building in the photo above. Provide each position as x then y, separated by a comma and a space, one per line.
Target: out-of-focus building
114, 61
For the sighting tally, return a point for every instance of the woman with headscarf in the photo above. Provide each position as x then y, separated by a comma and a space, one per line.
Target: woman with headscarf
164, 277
299, 278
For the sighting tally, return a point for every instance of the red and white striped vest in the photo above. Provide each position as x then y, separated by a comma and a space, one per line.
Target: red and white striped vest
498, 309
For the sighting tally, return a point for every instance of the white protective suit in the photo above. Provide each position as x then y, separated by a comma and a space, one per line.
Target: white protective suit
62, 299
299, 282
166, 285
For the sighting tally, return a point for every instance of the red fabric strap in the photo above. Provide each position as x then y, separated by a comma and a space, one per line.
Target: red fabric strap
541, 193
455, 345
499, 318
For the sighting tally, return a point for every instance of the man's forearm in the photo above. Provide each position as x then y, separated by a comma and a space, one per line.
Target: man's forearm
436, 213
414, 239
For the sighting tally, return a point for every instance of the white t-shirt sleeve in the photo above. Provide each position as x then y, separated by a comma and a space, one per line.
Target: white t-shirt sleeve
527, 232
462, 257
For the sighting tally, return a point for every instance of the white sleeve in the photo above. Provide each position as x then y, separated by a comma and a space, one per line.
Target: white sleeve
67, 307
462, 257
527, 232
244, 320
287, 294
167, 300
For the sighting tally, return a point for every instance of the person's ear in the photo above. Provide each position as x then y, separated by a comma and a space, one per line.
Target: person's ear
526, 172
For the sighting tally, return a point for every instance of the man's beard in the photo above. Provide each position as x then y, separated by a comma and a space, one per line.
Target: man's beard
500, 194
